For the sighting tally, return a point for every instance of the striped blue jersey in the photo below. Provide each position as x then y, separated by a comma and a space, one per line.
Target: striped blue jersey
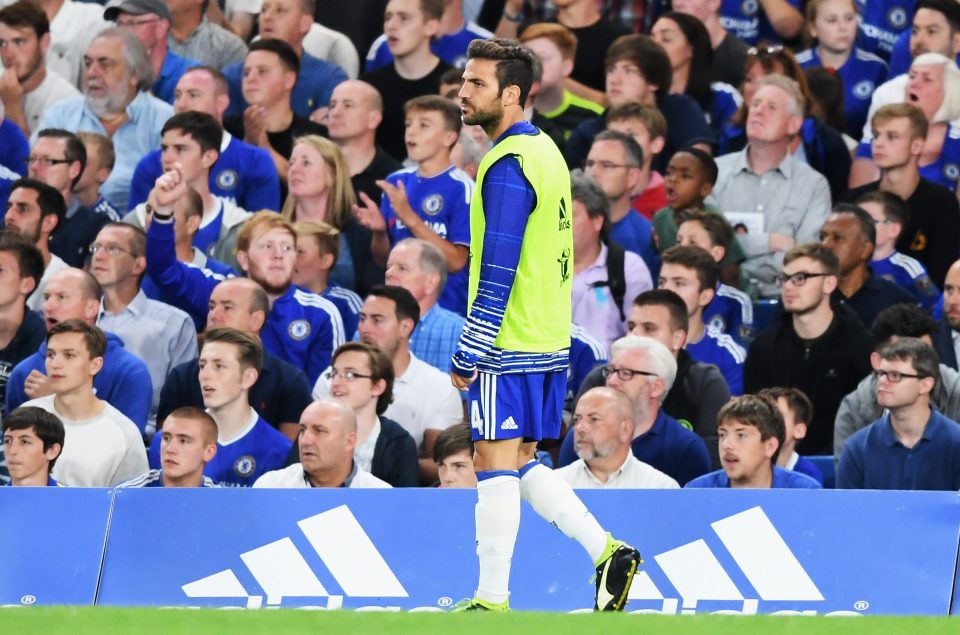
726, 102
259, 449
724, 353
910, 274
862, 73
348, 304
451, 48
746, 20
730, 312
945, 170
443, 203
881, 23
586, 353
154, 478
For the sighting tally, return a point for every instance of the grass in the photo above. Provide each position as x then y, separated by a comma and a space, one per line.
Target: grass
109, 621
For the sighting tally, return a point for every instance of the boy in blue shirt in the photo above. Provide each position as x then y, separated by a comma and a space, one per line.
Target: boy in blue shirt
751, 433
318, 248
430, 201
32, 441
797, 412
247, 446
188, 443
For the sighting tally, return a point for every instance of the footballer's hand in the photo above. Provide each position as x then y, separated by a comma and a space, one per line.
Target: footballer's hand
37, 385
461, 383
368, 214
167, 190
399, 201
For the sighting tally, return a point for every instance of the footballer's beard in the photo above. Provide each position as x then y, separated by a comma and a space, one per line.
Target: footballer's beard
487, 118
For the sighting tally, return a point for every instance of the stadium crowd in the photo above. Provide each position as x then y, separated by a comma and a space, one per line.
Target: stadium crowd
236, 240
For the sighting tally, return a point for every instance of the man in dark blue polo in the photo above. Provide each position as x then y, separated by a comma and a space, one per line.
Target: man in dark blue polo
912, 447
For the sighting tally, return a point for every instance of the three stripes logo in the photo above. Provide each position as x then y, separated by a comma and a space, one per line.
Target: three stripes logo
282, 571
756, 547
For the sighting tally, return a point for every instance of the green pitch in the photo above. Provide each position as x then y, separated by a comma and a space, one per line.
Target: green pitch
103, 621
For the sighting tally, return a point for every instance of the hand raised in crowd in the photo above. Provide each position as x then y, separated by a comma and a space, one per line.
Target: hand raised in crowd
169, 188
255, 125
37, 385
399, 201
368, 214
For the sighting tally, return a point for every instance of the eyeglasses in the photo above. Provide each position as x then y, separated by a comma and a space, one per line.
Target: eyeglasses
112, 250
797, 279
624, 374
894, 376
349, 375
126, 24
46, 161
764, 50
607, 165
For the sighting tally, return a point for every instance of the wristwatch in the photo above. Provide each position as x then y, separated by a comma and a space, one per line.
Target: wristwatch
157, 215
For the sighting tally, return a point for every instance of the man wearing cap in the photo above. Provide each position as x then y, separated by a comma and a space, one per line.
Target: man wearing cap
150, 21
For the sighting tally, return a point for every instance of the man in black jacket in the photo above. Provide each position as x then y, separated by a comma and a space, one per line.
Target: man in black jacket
822, 349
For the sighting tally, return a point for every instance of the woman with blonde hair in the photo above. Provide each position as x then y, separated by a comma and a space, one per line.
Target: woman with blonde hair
320, 190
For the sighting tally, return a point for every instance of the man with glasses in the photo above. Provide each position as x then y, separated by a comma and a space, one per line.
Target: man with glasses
34, 210
912, 446
159, 334
645, 370
150, 21
820, 348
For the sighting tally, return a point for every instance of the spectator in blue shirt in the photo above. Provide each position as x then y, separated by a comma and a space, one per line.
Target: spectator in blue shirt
318, 249
912, 446
751, 433
188, 442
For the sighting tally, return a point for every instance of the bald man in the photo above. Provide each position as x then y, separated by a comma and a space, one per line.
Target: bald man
328, 437
281, 391
603, 430
124, 382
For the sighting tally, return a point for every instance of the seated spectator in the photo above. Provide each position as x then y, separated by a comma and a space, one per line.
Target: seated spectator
247, 446
779, 200
692, 274
318, 249
281, 390
188, 442
751, 433
430, 202
556, 46
850, 234
29, 87
150, 21
731, 310
832, 25
419, 267
638, 69
191, 144
194, 37
932, 234
289, 21
270, 72
410, 26
586, 354
328, 438
244, 174
860, 408
79, 225
21, 330
302, 328
453, 454
912, 446
100, 160
729, 51
687, 43
603, 429
797, 411
424, 400
648, 127
123, 382
158, 333
890, 217
102, 447
361, 377
113, 104
947, 337
614, 162
32, 443
321, 41
599, 305
320, 191
817, 347
34, 209
879, 34
644, 370
816, 144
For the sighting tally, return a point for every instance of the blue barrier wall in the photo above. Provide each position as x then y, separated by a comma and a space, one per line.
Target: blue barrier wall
706, 551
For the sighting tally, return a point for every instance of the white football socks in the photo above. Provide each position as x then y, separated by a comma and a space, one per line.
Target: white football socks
498, 521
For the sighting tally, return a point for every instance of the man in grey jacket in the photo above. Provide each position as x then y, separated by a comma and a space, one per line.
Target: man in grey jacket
860, 407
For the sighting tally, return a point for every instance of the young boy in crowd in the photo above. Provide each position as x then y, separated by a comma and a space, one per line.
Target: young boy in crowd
430, 201
648, 127
453, 453
691, 175
797, 411
731, 310
891, 214
32, 441
318, 248
100, 160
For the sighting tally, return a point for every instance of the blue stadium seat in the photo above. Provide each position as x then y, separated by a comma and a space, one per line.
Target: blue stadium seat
826, 465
